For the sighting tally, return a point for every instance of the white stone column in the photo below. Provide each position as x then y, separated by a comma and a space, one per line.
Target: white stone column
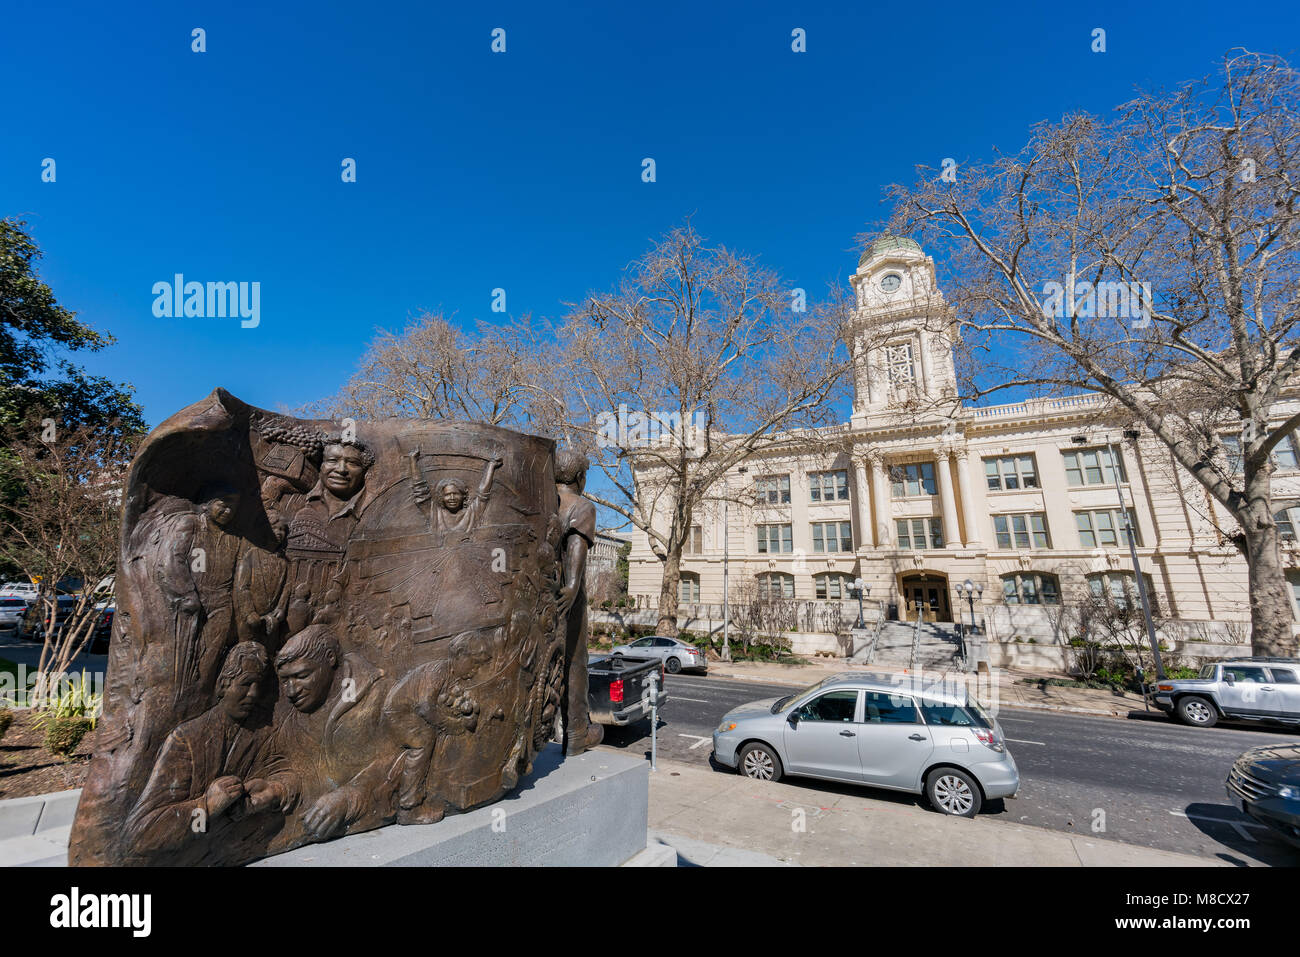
951, 534
927, 367
880, 496
866, 534
969, 514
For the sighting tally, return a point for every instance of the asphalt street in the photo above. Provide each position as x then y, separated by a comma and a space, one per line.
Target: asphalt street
1143, 780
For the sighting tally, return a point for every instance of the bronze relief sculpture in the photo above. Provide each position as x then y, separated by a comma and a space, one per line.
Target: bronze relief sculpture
324, 631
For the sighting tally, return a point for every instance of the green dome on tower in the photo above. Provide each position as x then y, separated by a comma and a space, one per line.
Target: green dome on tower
886, 244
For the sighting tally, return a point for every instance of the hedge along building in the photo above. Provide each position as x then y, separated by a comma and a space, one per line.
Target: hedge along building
926, 492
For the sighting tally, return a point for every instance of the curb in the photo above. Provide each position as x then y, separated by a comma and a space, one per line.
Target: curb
26, 816
1069, 709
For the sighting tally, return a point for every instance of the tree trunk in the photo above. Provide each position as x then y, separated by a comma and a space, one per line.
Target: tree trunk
669, 593
1270, 608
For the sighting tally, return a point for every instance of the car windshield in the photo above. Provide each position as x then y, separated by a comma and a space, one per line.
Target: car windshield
782, 703
1207, 672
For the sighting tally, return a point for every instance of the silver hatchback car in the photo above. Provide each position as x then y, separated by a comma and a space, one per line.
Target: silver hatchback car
888, 731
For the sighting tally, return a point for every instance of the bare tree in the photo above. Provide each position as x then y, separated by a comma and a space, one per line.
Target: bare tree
434, 369
65, 525
698, 359
1150, 257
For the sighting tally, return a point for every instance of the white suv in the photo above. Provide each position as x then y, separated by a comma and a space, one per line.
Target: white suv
1239, 689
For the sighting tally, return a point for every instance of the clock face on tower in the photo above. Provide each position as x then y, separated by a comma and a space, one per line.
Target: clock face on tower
891, 282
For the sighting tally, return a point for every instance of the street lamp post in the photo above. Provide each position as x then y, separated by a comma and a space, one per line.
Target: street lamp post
968, 590
860, 586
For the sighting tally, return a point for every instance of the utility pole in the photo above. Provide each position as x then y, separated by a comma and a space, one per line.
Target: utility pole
726, 587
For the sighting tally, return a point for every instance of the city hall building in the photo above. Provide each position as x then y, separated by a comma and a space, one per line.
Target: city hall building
1020, 499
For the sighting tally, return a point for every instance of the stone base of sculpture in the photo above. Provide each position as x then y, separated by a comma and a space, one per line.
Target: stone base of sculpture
590, 810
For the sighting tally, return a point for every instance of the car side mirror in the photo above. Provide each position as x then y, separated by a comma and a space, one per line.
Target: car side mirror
1229, 677
794, 718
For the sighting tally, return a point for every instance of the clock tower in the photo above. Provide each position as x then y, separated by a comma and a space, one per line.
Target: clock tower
903, 337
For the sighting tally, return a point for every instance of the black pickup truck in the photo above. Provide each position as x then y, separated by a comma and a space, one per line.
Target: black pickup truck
618, 689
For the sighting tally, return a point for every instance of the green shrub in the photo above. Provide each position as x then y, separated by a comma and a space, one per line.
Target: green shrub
62, 735
69, 714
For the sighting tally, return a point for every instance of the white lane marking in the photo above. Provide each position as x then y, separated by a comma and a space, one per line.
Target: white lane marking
1023, 741
1238, 826
678, 697
698, 740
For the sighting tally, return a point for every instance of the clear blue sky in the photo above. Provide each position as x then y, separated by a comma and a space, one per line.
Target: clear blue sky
519, 170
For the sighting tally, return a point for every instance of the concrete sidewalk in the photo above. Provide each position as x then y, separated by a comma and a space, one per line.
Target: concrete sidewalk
715, 818
1012, 693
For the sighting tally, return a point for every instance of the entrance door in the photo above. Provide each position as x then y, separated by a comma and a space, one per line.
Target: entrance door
930, 591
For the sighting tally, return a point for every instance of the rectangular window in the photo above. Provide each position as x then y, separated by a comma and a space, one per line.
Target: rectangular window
774, 489
832, 586
828, 486
1011, 472
694, 541
1105, 528
832, 537
920, 533
1232, 445
1092, 467
775, 585
1284, 454
1028, 530
690, 590
912, 480
775, 538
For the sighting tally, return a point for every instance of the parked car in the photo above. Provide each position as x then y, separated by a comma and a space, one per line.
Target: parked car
887, 731
618, 688
1264, 784
675, 654
26, 590
32, 625
12, 610
1239, 689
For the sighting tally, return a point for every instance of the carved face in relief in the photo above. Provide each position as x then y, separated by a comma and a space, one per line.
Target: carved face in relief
453, 495
222, 508
306, 681
280, 529
343, 470
240, 697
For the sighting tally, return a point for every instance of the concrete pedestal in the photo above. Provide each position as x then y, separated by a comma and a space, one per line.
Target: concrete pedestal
591, 810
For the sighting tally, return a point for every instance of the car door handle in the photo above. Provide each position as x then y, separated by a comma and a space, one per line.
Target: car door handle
847, 734
916, 737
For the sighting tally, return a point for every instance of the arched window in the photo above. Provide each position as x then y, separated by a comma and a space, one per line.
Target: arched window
1120, 589
775, 585
832, 585
1031, 588
688, 589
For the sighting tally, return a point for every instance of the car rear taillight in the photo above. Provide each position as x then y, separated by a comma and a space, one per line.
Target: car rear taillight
988, 739
616, 690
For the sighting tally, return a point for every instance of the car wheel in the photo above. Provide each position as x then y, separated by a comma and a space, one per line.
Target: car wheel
673, 666
760, 762
954, 792
1197, 712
